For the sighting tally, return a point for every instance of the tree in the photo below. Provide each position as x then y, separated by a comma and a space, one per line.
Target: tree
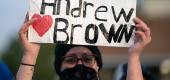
44, 69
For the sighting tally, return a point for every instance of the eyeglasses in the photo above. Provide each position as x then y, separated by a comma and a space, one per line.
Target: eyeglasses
87, 60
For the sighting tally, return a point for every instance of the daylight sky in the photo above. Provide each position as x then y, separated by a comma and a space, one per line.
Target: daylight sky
11, 17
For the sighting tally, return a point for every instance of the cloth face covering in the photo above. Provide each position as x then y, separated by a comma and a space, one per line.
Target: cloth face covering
79, 72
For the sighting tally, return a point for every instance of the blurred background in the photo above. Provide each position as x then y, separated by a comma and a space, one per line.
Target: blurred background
156, 56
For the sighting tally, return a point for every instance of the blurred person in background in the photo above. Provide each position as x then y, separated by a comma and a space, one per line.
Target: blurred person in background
5, 73
81, 62
121, 71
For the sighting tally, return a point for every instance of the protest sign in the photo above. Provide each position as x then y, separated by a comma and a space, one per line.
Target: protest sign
85, 22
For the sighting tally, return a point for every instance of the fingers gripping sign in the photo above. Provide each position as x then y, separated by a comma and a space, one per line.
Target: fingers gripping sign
142, 36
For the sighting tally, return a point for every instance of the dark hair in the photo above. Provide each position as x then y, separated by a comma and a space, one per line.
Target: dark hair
62, 49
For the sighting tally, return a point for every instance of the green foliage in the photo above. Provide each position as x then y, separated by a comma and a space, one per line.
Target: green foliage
12, 56
44, 69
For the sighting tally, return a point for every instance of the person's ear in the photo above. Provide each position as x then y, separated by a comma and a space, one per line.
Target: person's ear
96, 67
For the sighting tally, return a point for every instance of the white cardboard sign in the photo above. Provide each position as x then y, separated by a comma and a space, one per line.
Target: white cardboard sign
85, 22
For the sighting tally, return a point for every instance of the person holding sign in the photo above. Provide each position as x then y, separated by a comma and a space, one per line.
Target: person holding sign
81, 62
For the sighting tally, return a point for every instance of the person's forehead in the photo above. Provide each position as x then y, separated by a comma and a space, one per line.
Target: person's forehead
79, 50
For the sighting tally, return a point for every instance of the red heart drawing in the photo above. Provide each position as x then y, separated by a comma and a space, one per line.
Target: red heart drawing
42, 24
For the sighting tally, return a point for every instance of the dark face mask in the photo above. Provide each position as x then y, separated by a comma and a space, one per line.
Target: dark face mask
79, 72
